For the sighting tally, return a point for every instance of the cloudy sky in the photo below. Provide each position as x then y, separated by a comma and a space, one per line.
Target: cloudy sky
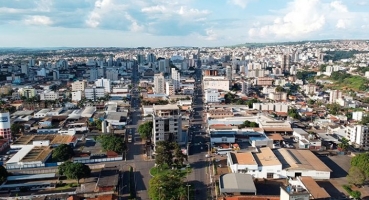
159, 23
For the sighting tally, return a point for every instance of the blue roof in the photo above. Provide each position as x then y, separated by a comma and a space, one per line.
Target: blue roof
30, 177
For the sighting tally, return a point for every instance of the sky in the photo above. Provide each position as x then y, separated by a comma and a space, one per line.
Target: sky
163, 23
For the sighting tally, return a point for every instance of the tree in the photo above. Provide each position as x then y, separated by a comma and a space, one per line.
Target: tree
293, 113
179, 156
361, 161
163, 154
344, 144
63, 152
111, 142
74, 170
168, 186
3, 174
356, 176
145, 130
16, 129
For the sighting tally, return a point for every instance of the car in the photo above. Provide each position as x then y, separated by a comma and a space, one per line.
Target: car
207, 156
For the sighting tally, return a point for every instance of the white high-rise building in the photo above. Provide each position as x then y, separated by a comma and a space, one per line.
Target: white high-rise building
169, 88
211, 96
77, 96
79, 85
112, 74
229, 72
159, 84
358, 135
105, 83
334, 95
167, 124
176, 78
94, 93
244, 87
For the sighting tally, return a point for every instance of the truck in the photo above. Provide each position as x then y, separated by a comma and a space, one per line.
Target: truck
129, 138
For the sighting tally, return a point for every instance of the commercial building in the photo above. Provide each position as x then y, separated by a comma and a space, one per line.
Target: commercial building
79, 86
159, 84
49, 95
105, 83
167, 123
5, 131
212, 96
94, 93
216, 82
237, 184
280, 163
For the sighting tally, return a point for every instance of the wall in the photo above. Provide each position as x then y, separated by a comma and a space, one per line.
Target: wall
320, 175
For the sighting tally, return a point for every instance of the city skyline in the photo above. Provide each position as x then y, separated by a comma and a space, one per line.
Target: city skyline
159, 23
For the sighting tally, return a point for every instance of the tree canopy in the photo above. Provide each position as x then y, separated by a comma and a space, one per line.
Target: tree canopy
248, 124
356, 176
111, 142
168, 186
63, 152
74, 170
145, 130
361, 161
168, 153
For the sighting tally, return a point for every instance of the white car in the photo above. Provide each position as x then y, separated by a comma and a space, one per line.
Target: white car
207, 156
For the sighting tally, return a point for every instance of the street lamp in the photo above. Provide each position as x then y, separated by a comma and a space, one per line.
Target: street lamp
188, 191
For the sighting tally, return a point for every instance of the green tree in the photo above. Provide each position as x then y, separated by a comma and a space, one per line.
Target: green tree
16, 129
168, 186
361, 161
279, 89
178, 155
344, 144
145, 130
293, 113
3, 174
74, 170
356, 176
111, 142
163, 155
63, 152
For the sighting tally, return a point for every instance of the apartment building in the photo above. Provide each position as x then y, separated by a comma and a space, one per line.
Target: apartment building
49, 95
212, 96
79, 85
159, 84
358, 135
105, 83
167, 123
28, 92
334, 95
94, 93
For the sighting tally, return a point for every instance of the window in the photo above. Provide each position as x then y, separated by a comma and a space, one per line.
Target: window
270, 175
224, 139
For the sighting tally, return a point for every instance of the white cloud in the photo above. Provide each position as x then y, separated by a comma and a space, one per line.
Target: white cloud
168, 11
211, 35
241, 3
38, 20
102, 8
134, 27
302, 18
339, 6
44, 5
342, 23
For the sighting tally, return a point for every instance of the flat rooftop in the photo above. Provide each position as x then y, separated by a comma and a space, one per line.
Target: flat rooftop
37, 154
300, 159
53, 138
266, 157
166, 107
245, 158
108, 177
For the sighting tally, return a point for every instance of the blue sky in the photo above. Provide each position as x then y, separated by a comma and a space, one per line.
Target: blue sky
159, 23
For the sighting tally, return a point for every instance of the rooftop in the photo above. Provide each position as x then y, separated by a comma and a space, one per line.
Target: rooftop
300, 159
266, 157
108, 177
313, 188
165, 107
237, 183
243, 158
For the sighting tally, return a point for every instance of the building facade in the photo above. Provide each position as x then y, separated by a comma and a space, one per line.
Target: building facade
105, 83
94, 93
212, 96
79, 85
5, 131
358, 135
167, 123
159, 84
49, 96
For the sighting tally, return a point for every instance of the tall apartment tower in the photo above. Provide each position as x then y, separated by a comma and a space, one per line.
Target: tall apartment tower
245, 87
79, 86
229, 72
105, 83
93, 74
334, 95
167, 124
159, 84
285, 63
112, 74
151, 57
176, 78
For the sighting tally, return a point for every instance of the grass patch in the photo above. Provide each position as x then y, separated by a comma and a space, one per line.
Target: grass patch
64, 186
